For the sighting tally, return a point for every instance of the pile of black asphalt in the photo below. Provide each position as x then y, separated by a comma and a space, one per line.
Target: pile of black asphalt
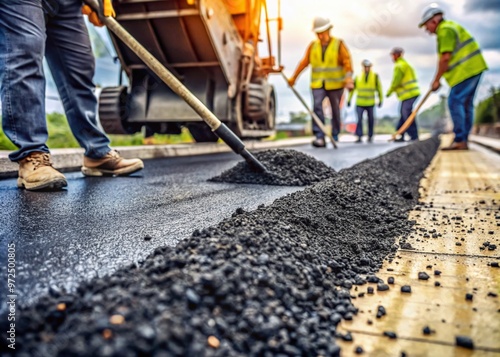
284, 168
270, 282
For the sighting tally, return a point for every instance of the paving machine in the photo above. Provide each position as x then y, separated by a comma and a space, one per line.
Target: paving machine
211, 47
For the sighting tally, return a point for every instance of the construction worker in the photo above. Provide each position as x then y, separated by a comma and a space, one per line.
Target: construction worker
461, 64
366, 84
331, 72
30, 29
405, 84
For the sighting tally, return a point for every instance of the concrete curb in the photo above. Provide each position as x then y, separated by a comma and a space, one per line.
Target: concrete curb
67, 160
487, 142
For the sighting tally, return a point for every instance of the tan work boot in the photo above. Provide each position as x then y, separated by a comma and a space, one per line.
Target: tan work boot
36, 173
111, 164
456, 146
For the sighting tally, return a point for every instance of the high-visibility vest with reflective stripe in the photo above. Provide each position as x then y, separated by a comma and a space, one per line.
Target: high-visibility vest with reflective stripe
466, 59
366, 89
408, 88
326, 72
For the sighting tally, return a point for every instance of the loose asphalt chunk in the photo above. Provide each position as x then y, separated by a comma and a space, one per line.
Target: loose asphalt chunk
285, 168
464, 341
258, 283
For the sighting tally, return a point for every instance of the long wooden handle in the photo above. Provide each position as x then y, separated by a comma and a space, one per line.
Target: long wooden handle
219, 128
411, 118
313, 114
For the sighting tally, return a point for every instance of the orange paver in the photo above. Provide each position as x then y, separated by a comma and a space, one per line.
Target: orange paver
458, 214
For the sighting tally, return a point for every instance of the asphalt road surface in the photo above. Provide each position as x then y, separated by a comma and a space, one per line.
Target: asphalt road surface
97, 225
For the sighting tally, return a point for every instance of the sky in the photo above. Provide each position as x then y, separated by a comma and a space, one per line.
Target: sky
370, 29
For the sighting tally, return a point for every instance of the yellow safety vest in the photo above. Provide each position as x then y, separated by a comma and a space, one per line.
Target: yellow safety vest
408, 88
326, 72
366, 89
466, 59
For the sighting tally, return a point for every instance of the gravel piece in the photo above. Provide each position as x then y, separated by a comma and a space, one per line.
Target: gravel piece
437, 283
406, 289
382, 287
423, 276
359, 350
492, 294
407, 246
381, 311
263, 282
464, 341
427, 330
494, 264
390, 280
392, 335
285, 168
369, 290
437, 272
347, 337
469, 297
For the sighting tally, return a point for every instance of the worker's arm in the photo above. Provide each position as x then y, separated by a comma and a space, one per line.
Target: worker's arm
346, 63
107, 10
447, 41
380, 91
351, 94
442, 68
396, 80
304, 62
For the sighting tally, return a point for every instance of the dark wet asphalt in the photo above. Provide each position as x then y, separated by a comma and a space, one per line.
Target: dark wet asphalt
100, 224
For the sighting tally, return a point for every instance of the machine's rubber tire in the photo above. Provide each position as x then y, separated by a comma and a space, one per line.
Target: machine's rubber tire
202, 133
271, 108
113, 111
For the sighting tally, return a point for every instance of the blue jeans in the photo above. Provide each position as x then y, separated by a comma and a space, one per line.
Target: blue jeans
26, 34
406, 109
359, 127
334, 96
460, 102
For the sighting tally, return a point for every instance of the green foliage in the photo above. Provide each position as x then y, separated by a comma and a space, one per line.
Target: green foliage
299, 117
60, 135
488, 110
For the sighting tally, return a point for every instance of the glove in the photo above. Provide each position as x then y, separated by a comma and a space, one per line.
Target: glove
348, 104
107, 10
380, 104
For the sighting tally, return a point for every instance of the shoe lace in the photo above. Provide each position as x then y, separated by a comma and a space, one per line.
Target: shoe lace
39, 159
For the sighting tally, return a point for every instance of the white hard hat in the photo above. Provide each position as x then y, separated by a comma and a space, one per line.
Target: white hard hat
429, 12
397, 51
366, 63
321, 24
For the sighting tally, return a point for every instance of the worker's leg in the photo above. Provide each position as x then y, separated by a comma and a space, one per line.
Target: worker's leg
335, 96
22, 82
319, 95
371, 121
359, 126
72, 64
406, 109
460, 102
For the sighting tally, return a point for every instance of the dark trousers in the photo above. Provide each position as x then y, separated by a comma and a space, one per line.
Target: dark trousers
359, 127
406, 109
334, 96
461, 104
26, 35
